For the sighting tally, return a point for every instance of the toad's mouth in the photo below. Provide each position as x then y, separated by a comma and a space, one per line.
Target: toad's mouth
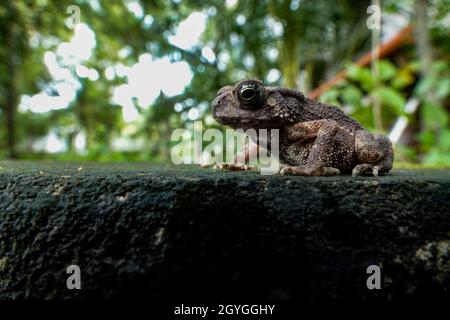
247, 123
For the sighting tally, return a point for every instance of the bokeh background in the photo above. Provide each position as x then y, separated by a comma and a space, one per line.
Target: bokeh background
114, 86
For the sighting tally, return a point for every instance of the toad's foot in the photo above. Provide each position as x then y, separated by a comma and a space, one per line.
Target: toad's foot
365, 167
309, 171
233, 167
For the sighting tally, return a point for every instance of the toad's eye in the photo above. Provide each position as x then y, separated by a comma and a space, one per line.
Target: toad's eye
250, 95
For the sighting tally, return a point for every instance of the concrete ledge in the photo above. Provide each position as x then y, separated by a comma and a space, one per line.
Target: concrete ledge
188, 234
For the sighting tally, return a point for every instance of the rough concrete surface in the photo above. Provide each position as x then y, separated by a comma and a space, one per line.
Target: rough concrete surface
191, 234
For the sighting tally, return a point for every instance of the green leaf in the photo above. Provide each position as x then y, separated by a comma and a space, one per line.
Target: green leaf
424, 85
437, 157
387, 70
427, 139
434, 115
352, 96
443, 88
391, 98
414, 65
403, 79
361, 75
331, 96
444, 141
439, 66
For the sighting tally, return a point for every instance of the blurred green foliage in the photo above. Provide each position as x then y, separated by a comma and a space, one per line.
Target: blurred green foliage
304, 42
391, 88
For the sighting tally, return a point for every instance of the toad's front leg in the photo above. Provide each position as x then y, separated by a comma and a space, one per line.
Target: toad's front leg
233, 167
239, 163
323, 132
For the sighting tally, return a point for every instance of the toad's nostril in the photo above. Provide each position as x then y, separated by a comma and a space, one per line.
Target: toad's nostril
217, 101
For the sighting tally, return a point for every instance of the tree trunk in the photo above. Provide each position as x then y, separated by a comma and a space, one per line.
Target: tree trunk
377, 107
290, 62
11, 90
423, 43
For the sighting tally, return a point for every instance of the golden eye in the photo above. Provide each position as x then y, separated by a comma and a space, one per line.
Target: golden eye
250, 94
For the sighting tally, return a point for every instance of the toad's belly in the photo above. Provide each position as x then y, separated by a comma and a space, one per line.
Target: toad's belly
340, 154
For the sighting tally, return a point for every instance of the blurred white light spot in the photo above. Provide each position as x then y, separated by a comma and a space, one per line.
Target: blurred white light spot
136, 9
147, 78
187, 135
57, 72
240, 19
273, 75
189, 31
59, 64
124, 143
234, 39
209, 120
272, 54
54, 144
80, 142
146, 57
212, 11
50, 42
82, 71
249, 61
34, 40
148, 21
95, 5
130, 113
93, 75
41, 103
121, 70
109, 73
208, 53
49, 57
295, 4
178, 107
223, 60
231, 3
124, 52
66, 91
80, 46
189, 102
275, 26
193, 114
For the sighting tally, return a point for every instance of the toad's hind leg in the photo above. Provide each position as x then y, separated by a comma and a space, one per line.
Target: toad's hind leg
374, 152
323, 132
309, 171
